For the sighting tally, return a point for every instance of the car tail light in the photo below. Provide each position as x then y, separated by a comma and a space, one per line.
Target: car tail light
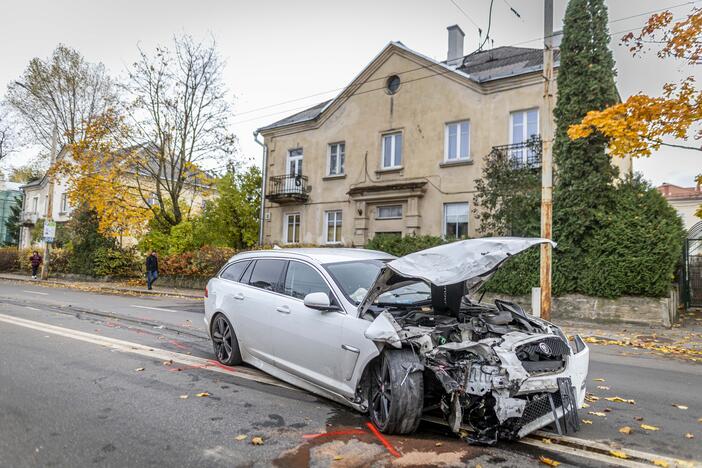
206, 293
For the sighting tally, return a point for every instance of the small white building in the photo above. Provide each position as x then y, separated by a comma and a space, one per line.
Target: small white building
36, 204
685, 200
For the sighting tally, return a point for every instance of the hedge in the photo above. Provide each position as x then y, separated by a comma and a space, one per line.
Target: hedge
399, 246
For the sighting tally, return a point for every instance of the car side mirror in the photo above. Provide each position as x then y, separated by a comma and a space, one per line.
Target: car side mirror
318, 300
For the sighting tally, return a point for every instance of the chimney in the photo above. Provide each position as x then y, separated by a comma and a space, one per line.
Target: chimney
455, 46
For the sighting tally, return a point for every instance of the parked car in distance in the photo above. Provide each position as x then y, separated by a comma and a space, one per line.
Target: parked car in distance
400, 338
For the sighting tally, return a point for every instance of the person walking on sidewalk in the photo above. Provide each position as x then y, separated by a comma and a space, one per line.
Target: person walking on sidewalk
151, 269
35, 260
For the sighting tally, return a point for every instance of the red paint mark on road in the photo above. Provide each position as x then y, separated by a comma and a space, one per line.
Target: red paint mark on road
182, 368
334, 433
383, 440
221, 366
178, 344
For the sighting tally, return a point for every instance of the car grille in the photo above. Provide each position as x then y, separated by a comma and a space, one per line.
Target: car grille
544, 356
539, 407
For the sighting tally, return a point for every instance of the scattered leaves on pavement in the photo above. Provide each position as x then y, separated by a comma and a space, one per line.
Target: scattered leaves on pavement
682, 407
257, 441
548, 461
585, 405
597, 413
617, 399
139, 369
625, 430
600, 380
168, 363
241, 437
587, 421
591, 398
203, 394
618, 454
662, 463
649, 428
546, 440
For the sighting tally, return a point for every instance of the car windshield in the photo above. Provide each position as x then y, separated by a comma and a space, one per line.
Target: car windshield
355, 277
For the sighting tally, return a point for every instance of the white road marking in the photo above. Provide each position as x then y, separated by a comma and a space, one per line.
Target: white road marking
35, 292
147, 351
153, 308
31, 308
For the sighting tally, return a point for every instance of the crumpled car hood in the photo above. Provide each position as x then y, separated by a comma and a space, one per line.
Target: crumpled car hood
472, 261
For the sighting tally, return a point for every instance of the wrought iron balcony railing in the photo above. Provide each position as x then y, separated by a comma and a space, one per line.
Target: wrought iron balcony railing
28, 218
290, 188
522, 155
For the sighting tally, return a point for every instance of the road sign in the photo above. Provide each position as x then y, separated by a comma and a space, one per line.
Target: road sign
49, 230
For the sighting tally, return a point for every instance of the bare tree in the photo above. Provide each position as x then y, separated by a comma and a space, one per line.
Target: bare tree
8, 134
178, 104
63, 90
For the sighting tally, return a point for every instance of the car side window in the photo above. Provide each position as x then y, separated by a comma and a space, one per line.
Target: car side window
301, 279
267, 274
234, 271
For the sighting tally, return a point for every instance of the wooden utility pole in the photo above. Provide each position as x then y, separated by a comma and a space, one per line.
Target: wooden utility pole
49, 203
547, 164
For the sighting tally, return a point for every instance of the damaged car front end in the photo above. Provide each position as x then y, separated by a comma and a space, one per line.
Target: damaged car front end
489, 368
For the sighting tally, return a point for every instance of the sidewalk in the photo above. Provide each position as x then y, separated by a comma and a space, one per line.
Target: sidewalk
124, 288
684, 340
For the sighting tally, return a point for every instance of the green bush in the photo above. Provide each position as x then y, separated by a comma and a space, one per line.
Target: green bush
399, 246
113, 261
204, 262
9, 259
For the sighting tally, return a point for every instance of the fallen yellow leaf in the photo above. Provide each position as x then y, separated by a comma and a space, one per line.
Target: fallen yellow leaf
662, 463
617, 399
625, 430
597, 413
203, 394
139, 369
546, 440
649, 428
338, 457
257, 441
690, 435
599, 380
618, 454
183, 397
587, 421
683, 463
168, 363
241, 437
602, 387
683, 407
438, 444
585, 405
548, 461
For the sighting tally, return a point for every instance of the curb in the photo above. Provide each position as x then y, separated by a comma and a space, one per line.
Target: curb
108, 289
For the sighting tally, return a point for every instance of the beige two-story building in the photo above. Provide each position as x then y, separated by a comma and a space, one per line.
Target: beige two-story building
399, 149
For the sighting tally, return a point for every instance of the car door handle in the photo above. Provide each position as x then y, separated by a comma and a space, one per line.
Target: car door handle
239, 296
283, 309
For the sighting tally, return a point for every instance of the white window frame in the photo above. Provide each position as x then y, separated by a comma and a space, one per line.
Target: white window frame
291, 157
377, 211
337, 144
338, 222
459, 141
393, 142
443, 224
285, 227
35, 204
522, 153
64, 202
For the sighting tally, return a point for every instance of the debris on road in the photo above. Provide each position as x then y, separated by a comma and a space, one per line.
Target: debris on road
139, 369
203, 394
625, 430
682, 407
257, 441
548, 461
649, 428
241, 437
617, 399
183, 397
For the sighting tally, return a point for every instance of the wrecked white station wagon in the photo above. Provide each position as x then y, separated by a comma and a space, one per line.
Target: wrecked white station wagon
401, 338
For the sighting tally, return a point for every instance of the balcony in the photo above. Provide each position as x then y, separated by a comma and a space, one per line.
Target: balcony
289, 188
525, 155
28, 218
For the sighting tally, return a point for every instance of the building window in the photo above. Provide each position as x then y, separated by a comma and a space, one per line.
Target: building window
392, 84
64, 203
457, 145
295, 162
524, 125
292, 228
337, 153
392, 150
332, 222
35, 204
456, 220
389, 212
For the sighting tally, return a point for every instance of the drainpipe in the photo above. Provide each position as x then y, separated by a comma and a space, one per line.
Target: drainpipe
264, 167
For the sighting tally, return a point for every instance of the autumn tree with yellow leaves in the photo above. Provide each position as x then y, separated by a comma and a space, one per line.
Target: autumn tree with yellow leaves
99, 173
639, 125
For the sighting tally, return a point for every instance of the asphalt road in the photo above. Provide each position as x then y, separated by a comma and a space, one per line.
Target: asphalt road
68, 402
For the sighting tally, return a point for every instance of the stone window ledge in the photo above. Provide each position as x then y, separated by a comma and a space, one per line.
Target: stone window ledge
462, 162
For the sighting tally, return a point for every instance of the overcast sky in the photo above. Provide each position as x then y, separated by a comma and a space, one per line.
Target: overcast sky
279, 51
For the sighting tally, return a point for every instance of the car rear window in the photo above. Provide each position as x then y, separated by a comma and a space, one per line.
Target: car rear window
234, 271
267, 274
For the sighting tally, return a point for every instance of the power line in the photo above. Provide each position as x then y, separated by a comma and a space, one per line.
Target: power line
435, 65
465, 14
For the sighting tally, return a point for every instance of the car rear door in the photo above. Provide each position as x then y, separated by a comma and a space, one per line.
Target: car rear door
306, 341
259, 286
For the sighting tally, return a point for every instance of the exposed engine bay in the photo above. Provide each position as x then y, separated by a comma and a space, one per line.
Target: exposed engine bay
491, 370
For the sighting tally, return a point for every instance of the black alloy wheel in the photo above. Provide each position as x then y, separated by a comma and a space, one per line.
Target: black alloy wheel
226, 345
